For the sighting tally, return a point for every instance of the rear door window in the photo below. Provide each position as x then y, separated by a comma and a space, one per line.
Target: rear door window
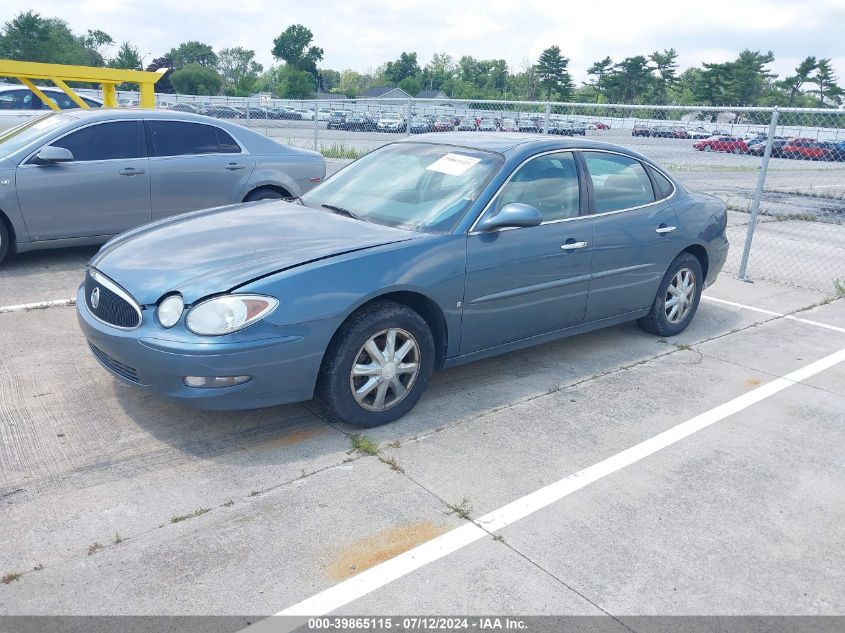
16, 100
180, 138
619, 182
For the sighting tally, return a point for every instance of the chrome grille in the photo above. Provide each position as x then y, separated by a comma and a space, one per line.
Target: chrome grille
121, 369
109, 303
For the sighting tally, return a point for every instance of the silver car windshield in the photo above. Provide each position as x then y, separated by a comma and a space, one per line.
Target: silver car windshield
22, 135
414, 186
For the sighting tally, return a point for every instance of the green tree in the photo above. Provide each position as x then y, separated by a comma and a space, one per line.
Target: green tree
828, 90
163, 84
30, 37
793, 83
404, 67
629, 80
350, 83
193, 52
665, 67
750, 77
552, 73
127, 56
437, 72
238, 70
196, 79
411, 85
295, 84
294, 47
599, 70
331, 79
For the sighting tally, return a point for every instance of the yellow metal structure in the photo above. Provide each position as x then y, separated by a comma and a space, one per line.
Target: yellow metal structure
59, 74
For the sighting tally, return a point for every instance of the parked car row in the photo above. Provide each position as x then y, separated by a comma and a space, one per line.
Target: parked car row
797, 148
675, 131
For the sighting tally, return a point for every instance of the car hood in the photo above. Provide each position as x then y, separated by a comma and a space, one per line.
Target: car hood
215, 250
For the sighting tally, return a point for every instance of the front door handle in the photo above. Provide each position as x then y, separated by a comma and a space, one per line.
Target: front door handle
663, 229
131, 171
234, 166
572, 245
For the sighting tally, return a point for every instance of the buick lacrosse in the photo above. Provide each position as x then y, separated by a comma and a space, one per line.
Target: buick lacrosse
429, 252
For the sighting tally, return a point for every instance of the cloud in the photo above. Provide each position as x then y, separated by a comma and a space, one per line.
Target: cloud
364, 34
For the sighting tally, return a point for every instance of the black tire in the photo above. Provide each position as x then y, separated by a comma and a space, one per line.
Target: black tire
264, 193
656, 321
334, 384
5, 241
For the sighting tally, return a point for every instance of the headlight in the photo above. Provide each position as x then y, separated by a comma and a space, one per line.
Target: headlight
229, 313
170, 311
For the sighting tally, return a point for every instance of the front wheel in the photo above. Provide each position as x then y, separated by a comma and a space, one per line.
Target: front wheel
677, 298
377, 365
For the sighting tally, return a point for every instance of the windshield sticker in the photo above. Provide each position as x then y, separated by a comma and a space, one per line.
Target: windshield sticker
453, 164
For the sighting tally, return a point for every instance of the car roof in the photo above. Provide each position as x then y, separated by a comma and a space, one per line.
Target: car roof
506, 142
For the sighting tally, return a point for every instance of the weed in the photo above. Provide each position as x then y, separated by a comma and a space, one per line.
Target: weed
94, 548
228, 504
363, 444
341, 151
12, 576
394, 465
116, 538
38, 567
462, 509
683, 346
499, 538
394, 444
839, 288
254, 493
555, 387
184, 517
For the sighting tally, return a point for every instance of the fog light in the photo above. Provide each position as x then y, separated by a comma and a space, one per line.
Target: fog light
215, 382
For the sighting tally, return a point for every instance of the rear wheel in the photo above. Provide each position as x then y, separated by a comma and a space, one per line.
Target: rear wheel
707, 148
377, 365
736, 150
265, 193
5, 241
677, 298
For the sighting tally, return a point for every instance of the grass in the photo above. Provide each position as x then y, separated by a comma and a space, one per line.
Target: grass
363, 444
462, 509
184, 517
341, 151
116, 538
12, 576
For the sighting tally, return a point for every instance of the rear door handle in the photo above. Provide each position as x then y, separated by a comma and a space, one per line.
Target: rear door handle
131, 171
663, 229
571, 246
234, 166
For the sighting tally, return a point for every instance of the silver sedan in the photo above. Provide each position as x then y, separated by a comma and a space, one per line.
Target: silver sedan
80, 177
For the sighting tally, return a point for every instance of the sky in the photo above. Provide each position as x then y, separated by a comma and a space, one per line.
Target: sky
361, 35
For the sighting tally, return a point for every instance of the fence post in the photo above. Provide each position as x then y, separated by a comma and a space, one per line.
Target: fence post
408, 122
548, 117
758, 196
316, 126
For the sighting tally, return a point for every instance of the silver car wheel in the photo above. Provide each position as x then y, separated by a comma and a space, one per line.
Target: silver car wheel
385, 369
680, 296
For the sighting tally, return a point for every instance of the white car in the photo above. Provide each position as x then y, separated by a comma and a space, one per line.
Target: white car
18, 103
390, 122
698, 133
323, 114
307, 115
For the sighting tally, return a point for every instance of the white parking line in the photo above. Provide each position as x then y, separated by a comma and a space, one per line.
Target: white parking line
776, 314
41, 305
384, 573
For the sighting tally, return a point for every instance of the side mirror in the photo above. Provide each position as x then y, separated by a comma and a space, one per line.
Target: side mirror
50, 154
512, 215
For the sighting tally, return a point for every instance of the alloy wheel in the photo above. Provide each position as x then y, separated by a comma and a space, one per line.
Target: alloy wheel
385, 369
680, 296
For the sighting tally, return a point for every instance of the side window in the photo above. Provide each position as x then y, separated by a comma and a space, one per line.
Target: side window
227, 143
548, 183
16, 100
104, 141
619, 182
664, 186
179, 138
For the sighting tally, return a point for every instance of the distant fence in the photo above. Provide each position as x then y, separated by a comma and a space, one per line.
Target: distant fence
781, 172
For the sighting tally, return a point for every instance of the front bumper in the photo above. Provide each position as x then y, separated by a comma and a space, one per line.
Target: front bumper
283, 365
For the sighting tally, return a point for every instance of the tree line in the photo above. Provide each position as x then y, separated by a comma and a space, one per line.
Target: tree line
655, 78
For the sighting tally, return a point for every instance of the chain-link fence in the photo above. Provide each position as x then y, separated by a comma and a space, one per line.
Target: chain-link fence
781, 172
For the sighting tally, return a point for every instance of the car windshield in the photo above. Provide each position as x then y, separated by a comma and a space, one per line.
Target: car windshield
414, 186
22, 135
